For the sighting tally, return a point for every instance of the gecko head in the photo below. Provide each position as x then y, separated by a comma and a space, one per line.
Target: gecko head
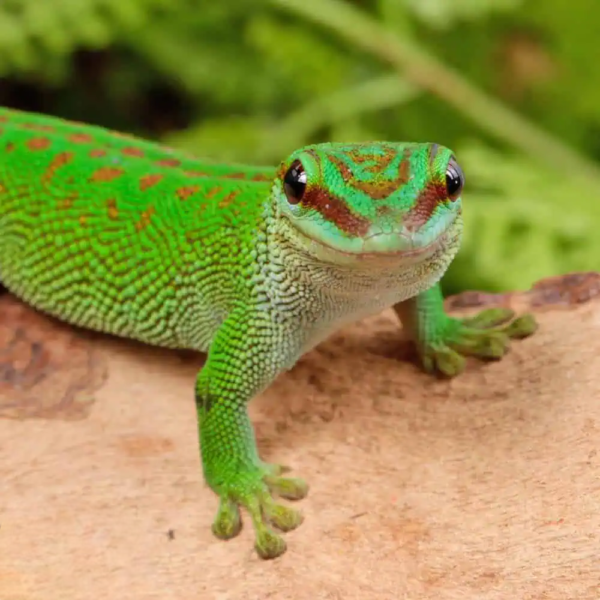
372, 199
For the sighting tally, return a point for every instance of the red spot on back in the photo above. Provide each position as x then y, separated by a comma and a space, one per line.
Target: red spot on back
196, 174
145, 218
132, 151
38, 144
97, 153
106, 174
228, 199
185, 192
213, 191
3, 119
68, 201
168, 162
113, 211
58, 161
10, 146
81, 138
147, 181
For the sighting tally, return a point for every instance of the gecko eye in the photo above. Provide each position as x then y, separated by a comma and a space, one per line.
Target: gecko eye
455, 179
294, 182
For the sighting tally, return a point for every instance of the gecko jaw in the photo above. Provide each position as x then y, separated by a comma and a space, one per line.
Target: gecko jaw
328, 253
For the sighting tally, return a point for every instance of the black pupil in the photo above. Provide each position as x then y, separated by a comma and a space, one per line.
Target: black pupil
455, 179
294, 182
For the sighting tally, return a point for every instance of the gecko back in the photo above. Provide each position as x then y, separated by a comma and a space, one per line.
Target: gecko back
121, 235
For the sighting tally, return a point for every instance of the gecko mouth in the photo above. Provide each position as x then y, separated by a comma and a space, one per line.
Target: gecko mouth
412, 251
384, 245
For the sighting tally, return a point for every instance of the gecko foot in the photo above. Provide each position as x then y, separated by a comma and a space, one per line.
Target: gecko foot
253, 490
486, 335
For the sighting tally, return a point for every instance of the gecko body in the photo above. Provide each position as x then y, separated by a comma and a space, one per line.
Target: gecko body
253, 265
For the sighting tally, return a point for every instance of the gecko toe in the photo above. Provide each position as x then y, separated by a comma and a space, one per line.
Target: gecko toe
269, 544
227, 523
288, 488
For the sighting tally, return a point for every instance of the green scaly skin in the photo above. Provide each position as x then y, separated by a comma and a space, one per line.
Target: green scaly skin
127, 237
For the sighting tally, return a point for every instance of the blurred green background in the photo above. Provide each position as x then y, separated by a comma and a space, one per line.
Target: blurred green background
513, 86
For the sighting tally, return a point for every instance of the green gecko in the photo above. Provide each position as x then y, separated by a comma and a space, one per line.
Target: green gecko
253, 265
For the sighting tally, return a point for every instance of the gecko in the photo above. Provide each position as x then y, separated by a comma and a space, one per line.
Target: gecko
252, 265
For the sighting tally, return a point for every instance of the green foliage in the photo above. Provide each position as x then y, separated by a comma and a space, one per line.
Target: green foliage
32, 32
441, 14
512, 85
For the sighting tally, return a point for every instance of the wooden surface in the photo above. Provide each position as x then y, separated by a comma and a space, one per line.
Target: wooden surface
485, 487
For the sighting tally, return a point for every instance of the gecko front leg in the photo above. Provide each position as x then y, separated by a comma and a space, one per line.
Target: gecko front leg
246, 354
443, 341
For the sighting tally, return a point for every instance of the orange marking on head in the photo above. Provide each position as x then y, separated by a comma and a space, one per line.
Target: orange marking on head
58, 161
132, 151
10, 146
383, 210
106, 174
147, 181
145, 218
83, 220
168, 162
2, 189
97, 153
38, 143
185, 192
81, 138
260, 177
227, 200
404, 170
3, 119
113, 211
379, 162
378, 188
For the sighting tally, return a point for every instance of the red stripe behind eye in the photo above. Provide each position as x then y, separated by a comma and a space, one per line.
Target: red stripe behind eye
334, 209
425, 205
